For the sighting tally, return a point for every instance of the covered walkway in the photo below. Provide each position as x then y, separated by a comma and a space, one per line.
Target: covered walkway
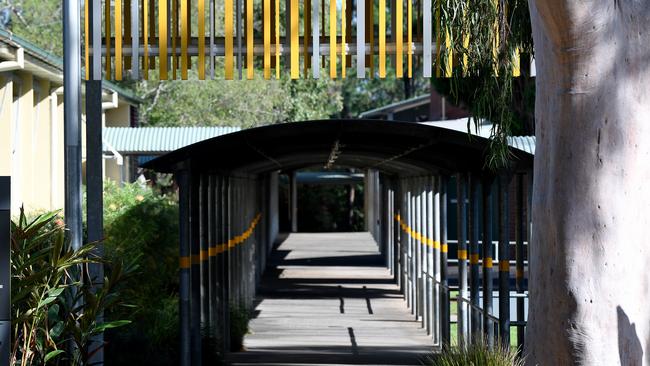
329, 299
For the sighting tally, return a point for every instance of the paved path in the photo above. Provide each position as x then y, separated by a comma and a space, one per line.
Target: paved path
327, 299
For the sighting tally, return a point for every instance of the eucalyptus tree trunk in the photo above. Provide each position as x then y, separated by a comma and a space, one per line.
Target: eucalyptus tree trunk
590, 256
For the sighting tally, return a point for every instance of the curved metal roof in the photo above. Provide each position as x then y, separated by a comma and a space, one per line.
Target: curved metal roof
394, 147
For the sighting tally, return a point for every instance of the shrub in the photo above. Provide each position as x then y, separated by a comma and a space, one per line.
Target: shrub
141, 226
475, 355
50, 305
239, 318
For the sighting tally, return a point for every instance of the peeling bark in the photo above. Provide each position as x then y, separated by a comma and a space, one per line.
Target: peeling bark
590, 254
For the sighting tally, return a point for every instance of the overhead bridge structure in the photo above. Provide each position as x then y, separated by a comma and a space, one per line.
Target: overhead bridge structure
229, 222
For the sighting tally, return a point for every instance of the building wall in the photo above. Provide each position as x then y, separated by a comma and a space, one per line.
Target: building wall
31, 140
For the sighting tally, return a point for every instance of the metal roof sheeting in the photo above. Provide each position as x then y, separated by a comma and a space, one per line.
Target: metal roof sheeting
158, 140
523, 143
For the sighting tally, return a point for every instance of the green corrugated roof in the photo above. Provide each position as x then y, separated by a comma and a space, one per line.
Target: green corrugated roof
158, 140
57, 62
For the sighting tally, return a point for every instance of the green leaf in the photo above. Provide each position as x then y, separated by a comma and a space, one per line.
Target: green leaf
57, 329
110, 325
53, 354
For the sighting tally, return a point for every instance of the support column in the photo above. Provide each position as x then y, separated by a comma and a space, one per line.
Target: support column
185, 263
5, 272
437, 339
195, 268
487, 260
444, 249
461, 224
520, 227
294, 202
504, 262
474, 230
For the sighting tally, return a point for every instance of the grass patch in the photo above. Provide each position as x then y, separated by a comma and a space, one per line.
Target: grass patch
475, 355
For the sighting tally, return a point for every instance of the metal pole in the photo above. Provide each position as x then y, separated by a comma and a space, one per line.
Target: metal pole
183, 180
426, 230
487, 260
195, 269
444, 310
203, 251
5, 272
94, 171
72, 120
226, 272
436, 261
474, 218
430, 234
520, 227
461, 224
294, 202
418, 249
504, 262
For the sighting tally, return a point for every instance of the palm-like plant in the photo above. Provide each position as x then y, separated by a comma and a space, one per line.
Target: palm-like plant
50, 304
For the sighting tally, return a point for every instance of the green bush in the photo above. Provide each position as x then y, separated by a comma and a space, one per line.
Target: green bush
475, 355
239, 318
50, 305
141, 226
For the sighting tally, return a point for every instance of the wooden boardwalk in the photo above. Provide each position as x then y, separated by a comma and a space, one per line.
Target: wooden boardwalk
327, 299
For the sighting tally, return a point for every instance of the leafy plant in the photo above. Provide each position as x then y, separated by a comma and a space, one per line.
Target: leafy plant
239, 318
477, 354
50, 304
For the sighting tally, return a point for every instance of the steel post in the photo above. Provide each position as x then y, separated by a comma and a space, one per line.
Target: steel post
431, 286
183, 180
474, 231
418, 250
520, 227
195, 269
486, 244
444, 310
504, 261
461, 225
436, 261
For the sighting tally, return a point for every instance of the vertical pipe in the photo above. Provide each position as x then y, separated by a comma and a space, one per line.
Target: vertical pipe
414, 244
212, 258
418, 249
225, 236
486, 244
96, 33
407, 259
504, 262
444, 248
315, 29
195, 269
436, 262
430, 250
185, 263
294, 202
461, 225
520, 227
5, 272
203, 250
474, 231
361, 39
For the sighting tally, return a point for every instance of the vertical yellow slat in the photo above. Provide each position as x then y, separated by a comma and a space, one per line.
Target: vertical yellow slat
250, 68
382, 38
277, 39
306, 37
343, 37
162, 40
438, 40
228, 29
127, 32
118, 39
409, 40
145, 38
449, 58
267, 39
399, 35
333, 60
174, 38
107, 34
184, 39
87, 39
295, 43
201, 32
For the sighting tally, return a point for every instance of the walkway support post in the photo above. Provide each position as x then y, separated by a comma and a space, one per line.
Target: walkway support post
487, 260
294, 202
474, 217
520, 227
419, 314
444, 248
461, 225
504, 261
431, 287
183, 179
436, 261
5, 272
195, 267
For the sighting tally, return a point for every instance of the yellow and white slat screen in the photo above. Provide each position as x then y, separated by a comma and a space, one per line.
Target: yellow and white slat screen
234, 38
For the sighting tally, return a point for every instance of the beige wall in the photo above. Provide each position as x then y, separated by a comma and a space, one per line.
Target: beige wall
31, 140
